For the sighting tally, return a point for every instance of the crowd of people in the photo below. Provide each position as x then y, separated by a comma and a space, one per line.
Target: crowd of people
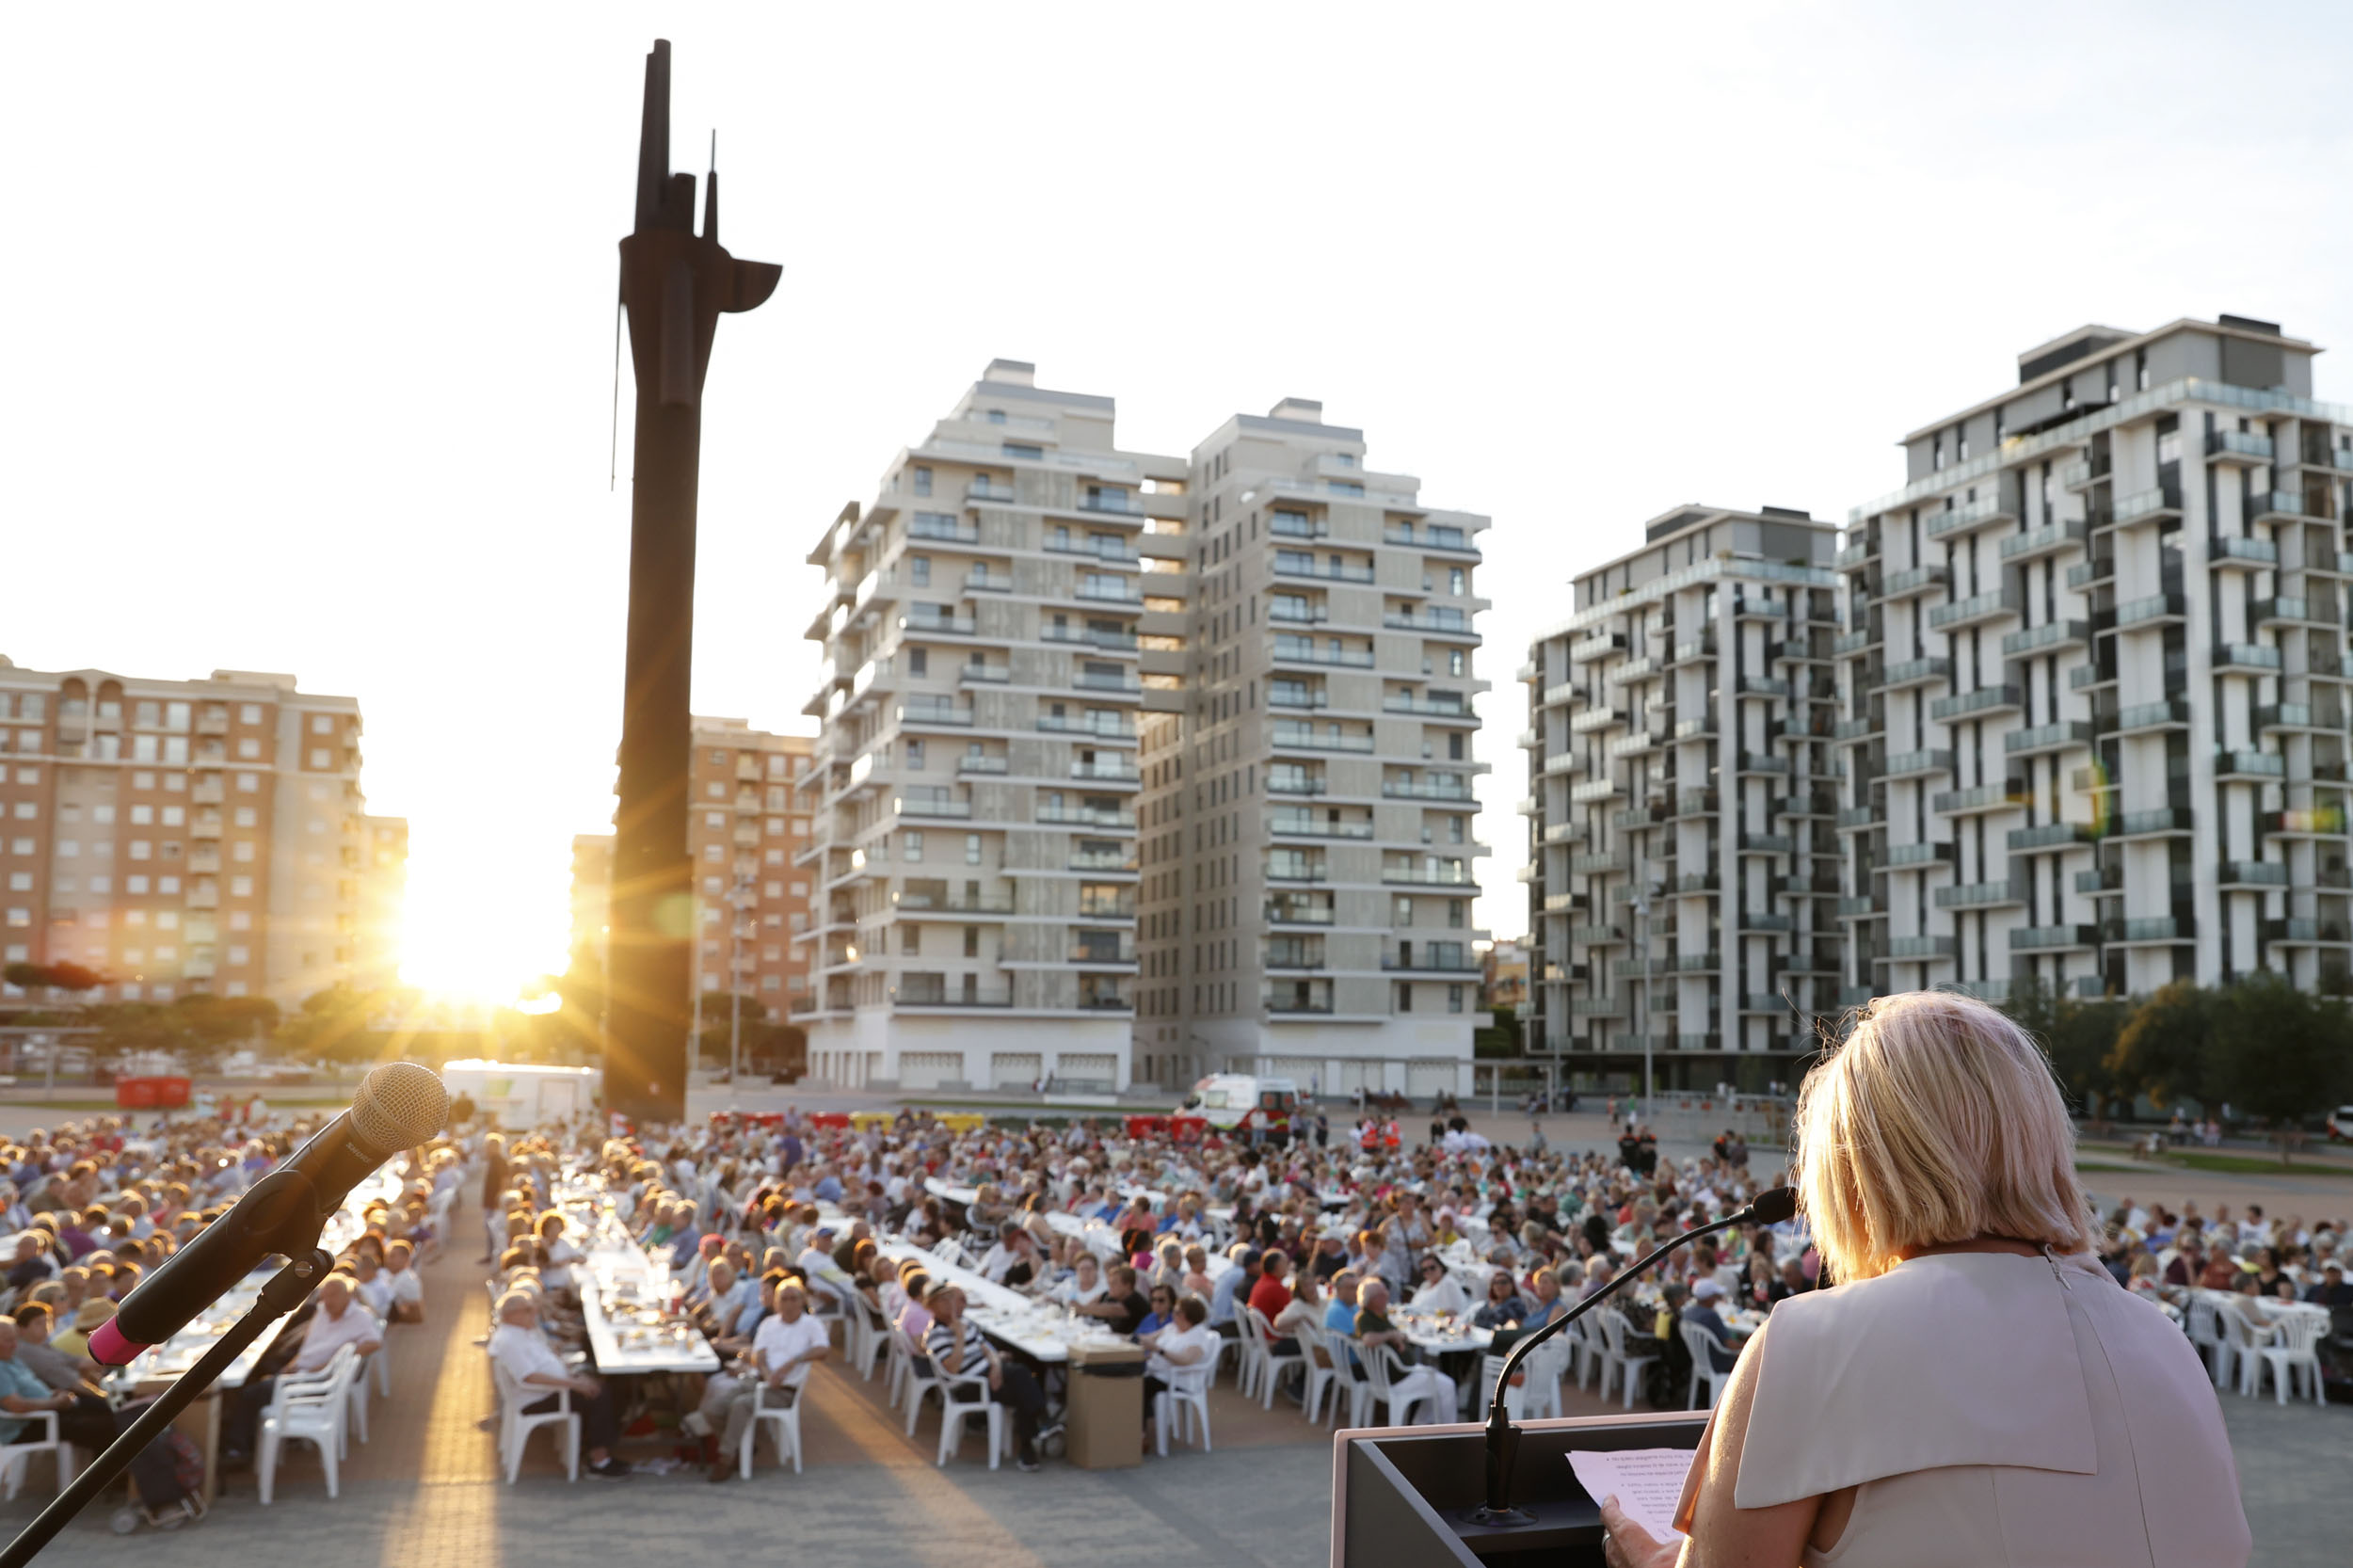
96, 1206
774, 1227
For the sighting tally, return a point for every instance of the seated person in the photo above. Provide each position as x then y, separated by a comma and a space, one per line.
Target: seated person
1706, 1293
1439, 1290
788, 1343
517, 1346
1122, 1307
339, 1321
1185, 1344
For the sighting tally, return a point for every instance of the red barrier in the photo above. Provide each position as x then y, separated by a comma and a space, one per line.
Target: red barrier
1147, 1127
152, 1094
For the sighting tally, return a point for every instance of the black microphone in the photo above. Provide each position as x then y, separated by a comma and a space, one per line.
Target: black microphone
1769, 1207
399, 1106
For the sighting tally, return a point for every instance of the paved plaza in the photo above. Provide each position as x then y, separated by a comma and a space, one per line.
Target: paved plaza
425, 1491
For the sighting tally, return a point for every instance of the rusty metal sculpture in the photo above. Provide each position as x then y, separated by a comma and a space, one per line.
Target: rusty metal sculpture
675, 286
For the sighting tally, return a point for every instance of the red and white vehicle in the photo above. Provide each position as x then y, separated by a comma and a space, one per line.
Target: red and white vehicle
2341, 1125
1238, 1102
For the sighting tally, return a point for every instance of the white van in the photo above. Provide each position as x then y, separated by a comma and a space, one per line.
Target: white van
1230, 1101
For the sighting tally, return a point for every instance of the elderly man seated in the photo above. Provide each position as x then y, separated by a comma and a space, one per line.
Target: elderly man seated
517, 1346
340, 1320
83, 1418
787, 1344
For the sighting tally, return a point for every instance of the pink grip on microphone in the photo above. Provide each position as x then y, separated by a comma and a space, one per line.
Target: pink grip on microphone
110, 1347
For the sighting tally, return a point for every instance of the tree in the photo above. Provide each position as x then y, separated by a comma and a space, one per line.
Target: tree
2279, 1053
335, 1025
216, 1023
2079, 1036
56, 977
2163, 1048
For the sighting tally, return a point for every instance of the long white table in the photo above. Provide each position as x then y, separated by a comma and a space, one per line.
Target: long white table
1043, 1331
184, 1349
626, 1296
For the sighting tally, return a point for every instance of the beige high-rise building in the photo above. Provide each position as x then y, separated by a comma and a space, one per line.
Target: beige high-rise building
743, 824
187, 836
993, 623
383, 896
1309, 860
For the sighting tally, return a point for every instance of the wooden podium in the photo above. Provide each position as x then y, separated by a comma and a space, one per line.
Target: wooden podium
1398, 1494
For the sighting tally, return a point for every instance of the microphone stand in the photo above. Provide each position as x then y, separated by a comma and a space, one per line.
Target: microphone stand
285, 1291
1503, 1438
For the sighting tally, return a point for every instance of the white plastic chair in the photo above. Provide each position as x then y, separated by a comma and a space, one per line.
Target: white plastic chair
1187, 1398
2294, 1348
787, 1419
1583, 1341
1384, 1369
1348, 1378
2204, 1328
1615, 1359
17, 1458
1273, 1366
315, 1410
953, 1409
875, 1340
1315, 1377
1257, 1366
2246, 1343
515, 1427
1539, 1392
1702, 1344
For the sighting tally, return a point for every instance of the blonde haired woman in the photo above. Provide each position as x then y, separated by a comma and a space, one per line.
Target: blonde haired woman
1978, 1390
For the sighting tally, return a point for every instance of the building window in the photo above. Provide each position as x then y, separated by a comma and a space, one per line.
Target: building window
911, 845
922, 480
1405, 996
1454, 999
972, 848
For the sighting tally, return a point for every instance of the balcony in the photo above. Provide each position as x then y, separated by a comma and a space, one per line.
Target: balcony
1598, 646
1108, 817
1860, 553
2304, 931
1981, 895
908, 994
935, 713
938, 626
1303, 737
2148, 507
1451, 624
2142, 717
1114, 860
1102, 726
2047, 938
1290, 826
1278, 695
1284, 868
1109, 770
1967, 519
944, 529
2286, 505
2156, 931
1818, 803
1914, 672
1430, 708
1760, 761
1915, 580
2244, 447
1329, 572
1293, 613
1432, 537
910, 901
1451, 787
2299, 715
1905, 764
2234, 762
2082, 475
1302, 650
1767, 843
1110, 639
1428, 876
1102, 955
2047, 540
2045, 738
2051, 635
2100, 568
2252, 873
1294, 784
1761, 686
2053, 835
2251, 657
1985, 699
1909, 950
1973, 611
2307, 611
1855, 641
1907, 857
1297, 525
2156, 609
2161, 822
1861, 909
2008, 795
2240, 552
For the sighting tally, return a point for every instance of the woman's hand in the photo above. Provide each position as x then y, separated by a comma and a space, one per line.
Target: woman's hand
1629, 1545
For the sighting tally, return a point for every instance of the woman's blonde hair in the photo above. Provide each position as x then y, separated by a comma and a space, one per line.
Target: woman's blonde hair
1938, 1120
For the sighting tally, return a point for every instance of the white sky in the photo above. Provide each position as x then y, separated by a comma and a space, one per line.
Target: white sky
310, 355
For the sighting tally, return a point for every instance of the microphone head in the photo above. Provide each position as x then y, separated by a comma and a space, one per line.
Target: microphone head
399, 1106
1774, 1204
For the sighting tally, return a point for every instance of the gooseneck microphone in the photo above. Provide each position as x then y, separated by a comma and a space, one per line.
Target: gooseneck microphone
1769, 1207
399, 1106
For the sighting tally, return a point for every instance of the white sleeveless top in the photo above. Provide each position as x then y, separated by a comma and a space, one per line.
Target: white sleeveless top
1994, 1410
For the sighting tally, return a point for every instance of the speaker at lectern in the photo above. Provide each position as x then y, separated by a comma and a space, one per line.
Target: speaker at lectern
1404, 1497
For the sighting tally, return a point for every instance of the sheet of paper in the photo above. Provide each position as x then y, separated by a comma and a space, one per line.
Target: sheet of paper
1647, 1482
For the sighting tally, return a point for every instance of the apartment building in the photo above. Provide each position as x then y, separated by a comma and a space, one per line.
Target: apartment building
1309, 863
743, 826
187, 836
383, 897
2093, 696
1683, 876
993, 623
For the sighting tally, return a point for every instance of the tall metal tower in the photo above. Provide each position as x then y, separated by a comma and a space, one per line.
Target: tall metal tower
674, 286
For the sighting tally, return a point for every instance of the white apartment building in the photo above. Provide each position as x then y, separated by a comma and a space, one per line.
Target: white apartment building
972, 792
1309, 857
1682, 864
2093, 696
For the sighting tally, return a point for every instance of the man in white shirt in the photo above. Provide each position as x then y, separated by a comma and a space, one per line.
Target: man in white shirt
407, 1286
788, 1342
372, 1286
517, 1346
340, 1320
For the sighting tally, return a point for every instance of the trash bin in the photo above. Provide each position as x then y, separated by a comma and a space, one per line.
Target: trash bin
1106, 1410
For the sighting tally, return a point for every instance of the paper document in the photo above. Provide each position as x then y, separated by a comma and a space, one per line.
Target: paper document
1647, 1482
